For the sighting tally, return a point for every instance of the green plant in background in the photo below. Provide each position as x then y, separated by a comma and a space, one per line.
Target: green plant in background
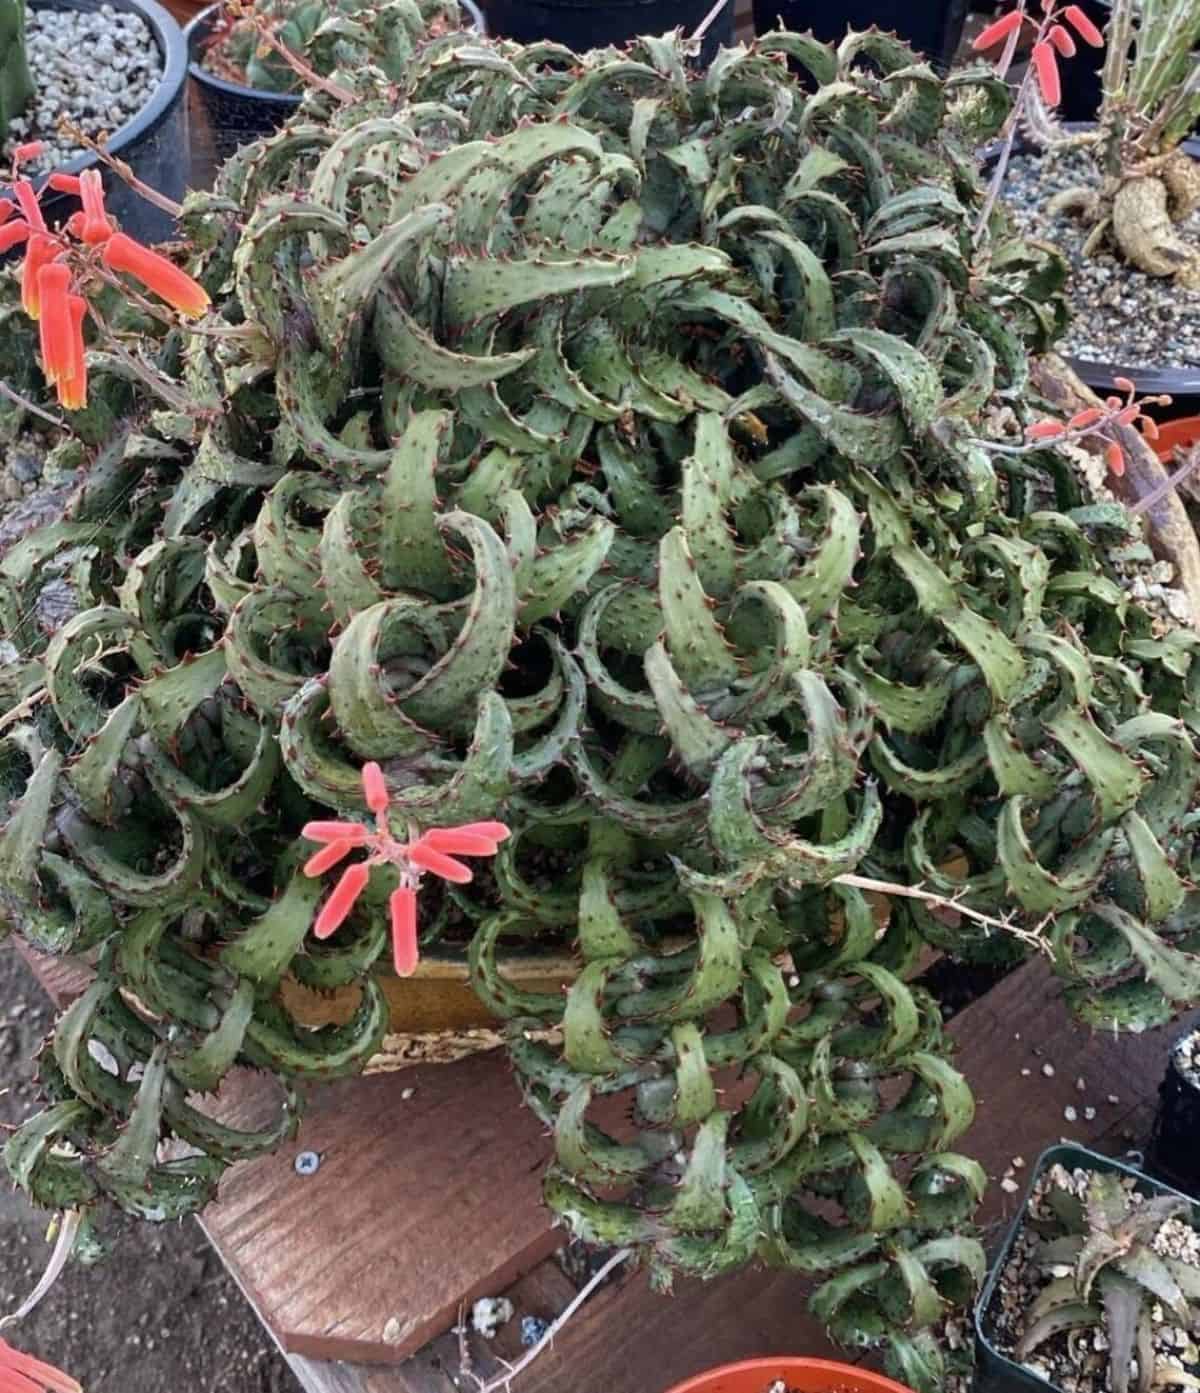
1118, 1271
1146, 183
325, 35
16, 85
601, 448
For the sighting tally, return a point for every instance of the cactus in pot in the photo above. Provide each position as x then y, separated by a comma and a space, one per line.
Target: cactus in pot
259, 44
16, 84
1145, 183
601, 450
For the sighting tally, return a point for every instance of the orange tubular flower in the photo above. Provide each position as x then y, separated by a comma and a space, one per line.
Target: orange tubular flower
72, 389
1045, 67
64, 183
1045, 430
156, 273
406, 949
433, 852
29, 204
21, 1373
1115, 458
997, 30
13, 233
341, 902
31, 150
1083, 26
1061, 40
54, 286
7, 209
42, 250
96, 226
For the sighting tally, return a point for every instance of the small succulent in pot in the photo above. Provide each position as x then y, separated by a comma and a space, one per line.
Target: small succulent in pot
1102, 1287
250, 43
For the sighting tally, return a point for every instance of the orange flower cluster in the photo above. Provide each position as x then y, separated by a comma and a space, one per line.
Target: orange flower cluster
47, 274
1053, 41
1098, 420
433, 851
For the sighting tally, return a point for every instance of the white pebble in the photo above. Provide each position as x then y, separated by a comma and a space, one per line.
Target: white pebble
490, 1313
98, 67
1048, 1070
1070, 1114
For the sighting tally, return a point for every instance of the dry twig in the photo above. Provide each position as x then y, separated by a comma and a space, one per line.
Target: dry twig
1034, 937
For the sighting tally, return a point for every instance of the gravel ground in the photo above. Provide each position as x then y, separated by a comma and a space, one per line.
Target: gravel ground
1120, 314
160, 1312
99, 68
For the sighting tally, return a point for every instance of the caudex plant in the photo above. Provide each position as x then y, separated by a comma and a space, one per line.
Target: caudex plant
605, 453
1145, 183
1105, 1258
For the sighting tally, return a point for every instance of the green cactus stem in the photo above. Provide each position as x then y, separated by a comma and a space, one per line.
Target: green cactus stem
16, 84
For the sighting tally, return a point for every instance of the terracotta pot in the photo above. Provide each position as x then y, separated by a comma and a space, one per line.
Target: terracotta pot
437, 997
797, 1375
1183, 431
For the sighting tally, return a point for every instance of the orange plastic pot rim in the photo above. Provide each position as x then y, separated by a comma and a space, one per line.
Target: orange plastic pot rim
800, 1375
1183, 430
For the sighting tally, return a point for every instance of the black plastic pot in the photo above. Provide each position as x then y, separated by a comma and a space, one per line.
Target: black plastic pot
231, 114
934, 27
584, 24
1174, 1150
996, 1372
1181, 384
234, 115
153, 144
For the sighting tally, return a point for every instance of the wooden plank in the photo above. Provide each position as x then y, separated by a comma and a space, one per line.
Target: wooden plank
428, 1195
544, 1292
271, 1224
422, 1200
1022, 1023
62, 979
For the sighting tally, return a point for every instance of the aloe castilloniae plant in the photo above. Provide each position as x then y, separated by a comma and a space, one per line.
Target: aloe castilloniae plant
16, 84
601, 448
